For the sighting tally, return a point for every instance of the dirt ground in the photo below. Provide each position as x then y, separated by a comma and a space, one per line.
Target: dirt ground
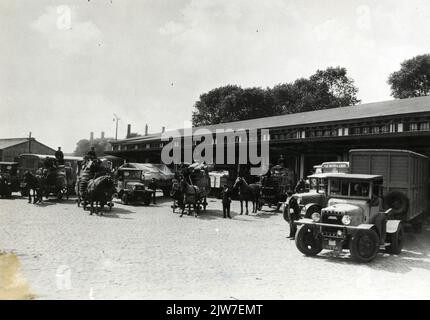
58, 251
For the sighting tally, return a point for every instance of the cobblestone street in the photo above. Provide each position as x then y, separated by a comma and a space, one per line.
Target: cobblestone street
138, 252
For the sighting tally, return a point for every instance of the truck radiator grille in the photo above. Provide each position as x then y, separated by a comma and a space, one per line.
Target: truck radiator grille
332, 217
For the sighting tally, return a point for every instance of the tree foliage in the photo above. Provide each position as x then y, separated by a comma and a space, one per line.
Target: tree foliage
325, 89
413, 78
100, 146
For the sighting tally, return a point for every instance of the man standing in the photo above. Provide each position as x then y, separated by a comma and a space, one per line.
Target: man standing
153, 187
92, 154
59, 156
226, 201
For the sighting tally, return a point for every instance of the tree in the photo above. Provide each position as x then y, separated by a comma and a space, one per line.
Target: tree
413, 78
325, 89
338, 85
232, 103
100, 146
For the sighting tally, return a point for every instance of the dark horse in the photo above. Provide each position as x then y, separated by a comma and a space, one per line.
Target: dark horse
183, 194
247, 192
99, 192
34, 183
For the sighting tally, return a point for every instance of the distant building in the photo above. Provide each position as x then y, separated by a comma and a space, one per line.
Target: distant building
309, 138
13, 147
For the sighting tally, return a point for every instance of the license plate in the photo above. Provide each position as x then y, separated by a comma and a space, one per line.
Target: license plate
332, 243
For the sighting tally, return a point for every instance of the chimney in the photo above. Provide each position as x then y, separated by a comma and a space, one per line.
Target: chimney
91, 137
163, 129
146, 129
128, 130
102, 136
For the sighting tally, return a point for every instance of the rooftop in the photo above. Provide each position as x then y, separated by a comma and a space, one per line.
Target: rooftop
6, 143
361, 111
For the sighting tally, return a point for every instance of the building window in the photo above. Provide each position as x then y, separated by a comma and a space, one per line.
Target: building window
425, 126
136, 147
375, 129
266, 137
400, 127
365, 130
147, 146
384, 129
319, 133
346, 131
413, 127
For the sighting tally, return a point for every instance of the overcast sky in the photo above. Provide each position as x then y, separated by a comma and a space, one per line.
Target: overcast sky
67, 66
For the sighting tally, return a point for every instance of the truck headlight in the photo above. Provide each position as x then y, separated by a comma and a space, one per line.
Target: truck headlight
346, 219
316, 217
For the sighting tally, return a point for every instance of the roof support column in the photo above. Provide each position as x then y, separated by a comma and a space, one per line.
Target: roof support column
301, 166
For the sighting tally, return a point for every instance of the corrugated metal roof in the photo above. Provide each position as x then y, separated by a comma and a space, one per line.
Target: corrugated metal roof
6, 143
361, 111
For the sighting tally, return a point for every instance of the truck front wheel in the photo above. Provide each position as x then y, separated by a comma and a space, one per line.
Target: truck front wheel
307, 243
364, 245
396, 241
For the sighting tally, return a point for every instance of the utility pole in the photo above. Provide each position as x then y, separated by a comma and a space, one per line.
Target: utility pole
29, 142
116, 125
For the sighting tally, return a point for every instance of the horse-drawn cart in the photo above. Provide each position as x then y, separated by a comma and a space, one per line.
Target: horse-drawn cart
192, 189
275, 186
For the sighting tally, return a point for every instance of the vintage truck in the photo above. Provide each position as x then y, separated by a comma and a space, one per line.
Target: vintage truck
367, 208
130, 188
316, 198
353, 219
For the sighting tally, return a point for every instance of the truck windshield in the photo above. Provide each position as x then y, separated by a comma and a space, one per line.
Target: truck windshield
344, 187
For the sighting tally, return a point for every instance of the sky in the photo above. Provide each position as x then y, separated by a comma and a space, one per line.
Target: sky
66, 67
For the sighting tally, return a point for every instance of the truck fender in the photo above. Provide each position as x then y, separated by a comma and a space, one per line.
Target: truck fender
392, 225
310, 208
366, 226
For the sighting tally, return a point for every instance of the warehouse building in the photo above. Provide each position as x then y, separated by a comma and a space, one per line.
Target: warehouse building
13, 147
310, 138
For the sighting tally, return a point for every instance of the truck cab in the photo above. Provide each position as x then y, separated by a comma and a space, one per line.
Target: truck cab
316, 198
352, 219
129, 186
305, 204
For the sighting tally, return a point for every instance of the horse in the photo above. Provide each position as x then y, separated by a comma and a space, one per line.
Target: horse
247, 192
89, 171
188, 194
34, 183
99, 192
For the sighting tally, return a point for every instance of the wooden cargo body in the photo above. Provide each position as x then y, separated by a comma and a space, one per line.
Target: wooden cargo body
403, 170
